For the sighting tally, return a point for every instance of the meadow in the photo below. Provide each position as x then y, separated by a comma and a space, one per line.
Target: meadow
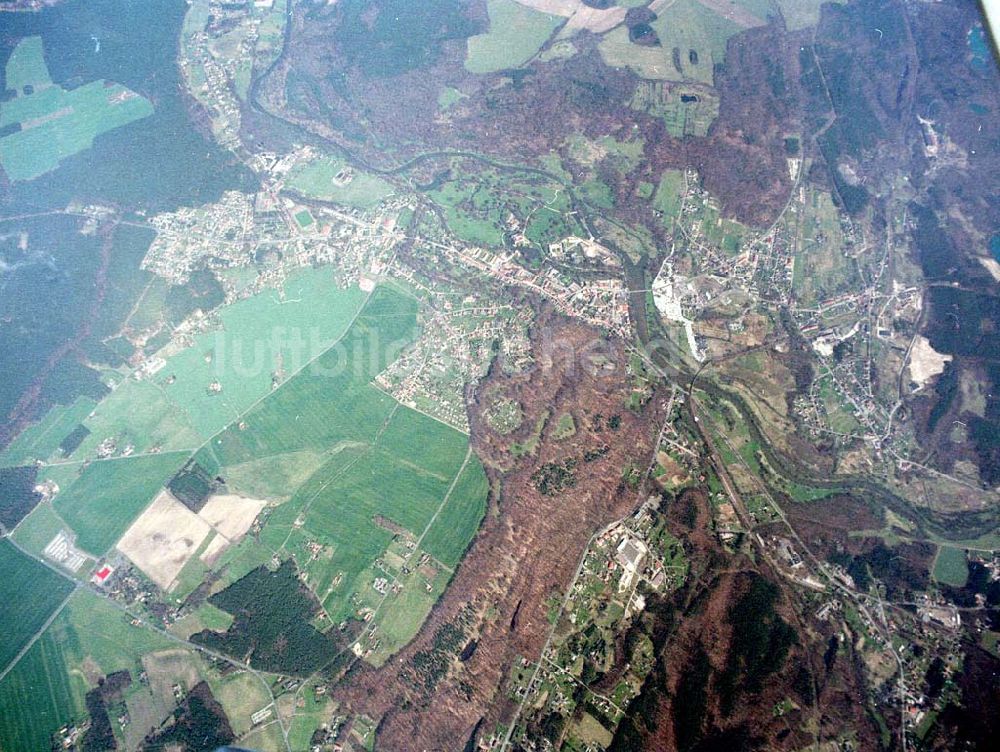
56, 123
950, 566
40, 440
684, 27
448, 537
260, 336
515, 35
318, 180
22, 617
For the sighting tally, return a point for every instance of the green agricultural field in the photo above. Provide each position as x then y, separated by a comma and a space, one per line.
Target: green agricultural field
684, 27
56, 123
330, 179
342, 513
39, 695
459, 518
38, 528
355, 473
110, 494
950, 566
46, 688
516, 33
263, 338
41, 440
300, 415
669, 194
276, 477
22, 617
138, 414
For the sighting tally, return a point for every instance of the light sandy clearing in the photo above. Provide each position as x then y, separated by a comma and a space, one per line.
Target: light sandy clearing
164, 537
992, 266
231, 514
925, 361
216, 546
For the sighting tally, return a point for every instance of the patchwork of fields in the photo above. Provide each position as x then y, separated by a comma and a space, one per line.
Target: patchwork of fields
44, 123
46, 688
372, 502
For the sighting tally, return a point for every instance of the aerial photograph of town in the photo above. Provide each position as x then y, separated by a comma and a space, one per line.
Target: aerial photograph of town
499, 375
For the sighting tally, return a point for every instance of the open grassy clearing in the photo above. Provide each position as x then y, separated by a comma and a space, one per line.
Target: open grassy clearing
22, 617
41, 440
39, 528
241, 695
449, 97
515, 34
140, 415
262, 339
331, 179
685, 27
54, 123
46, 688
110, 494
950, 566
669, 194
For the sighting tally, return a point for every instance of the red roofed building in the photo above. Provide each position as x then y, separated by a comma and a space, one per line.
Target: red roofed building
102, 574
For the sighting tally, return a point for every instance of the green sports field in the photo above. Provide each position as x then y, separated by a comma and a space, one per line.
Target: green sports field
55, 123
